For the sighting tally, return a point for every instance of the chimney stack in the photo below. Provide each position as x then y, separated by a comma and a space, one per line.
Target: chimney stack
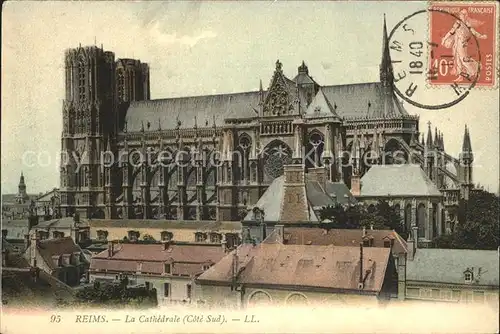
111, 250
234, 269
355, 185
371, 227
280, 230
360, 282
224, 243
364, 231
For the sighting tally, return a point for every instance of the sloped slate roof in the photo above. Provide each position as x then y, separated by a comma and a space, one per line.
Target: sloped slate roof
397, 180
320, 107
186, 109
166, 224
300, 265
65, 222
449, 265
351, 101
318, 195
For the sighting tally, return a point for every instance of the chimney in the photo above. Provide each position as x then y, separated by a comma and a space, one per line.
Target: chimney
111, 249
280, 230
224, 243
295, 208
35, 240
318, 174
364, 231
412, 242
355, 185
360, 282
234, 269
371, 227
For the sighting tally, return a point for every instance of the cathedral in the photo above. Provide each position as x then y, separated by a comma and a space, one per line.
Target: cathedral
126, 156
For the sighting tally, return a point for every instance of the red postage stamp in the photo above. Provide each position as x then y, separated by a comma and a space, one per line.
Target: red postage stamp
463, 41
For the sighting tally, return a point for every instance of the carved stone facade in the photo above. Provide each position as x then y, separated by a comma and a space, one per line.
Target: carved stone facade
212, 157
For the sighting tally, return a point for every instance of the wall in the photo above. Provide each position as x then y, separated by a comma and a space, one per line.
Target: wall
453, 293
178, 285
223, 296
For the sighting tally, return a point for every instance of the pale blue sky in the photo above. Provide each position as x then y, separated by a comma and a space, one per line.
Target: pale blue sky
204, 48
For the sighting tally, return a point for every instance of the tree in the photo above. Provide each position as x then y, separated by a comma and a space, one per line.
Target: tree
480, 229
382, 216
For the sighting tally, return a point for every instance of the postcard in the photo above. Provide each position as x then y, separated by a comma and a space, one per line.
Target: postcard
250, 167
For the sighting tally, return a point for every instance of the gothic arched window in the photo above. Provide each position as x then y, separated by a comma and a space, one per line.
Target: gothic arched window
408, 218
243, 157
421, 220
276, 155
314, 150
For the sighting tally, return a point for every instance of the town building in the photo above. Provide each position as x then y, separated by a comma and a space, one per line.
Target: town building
102, 231
74, 227
61, 258
18, 206
48, 204
170, 268
294, 199
273, 273
452, 275
107, 108
26, 286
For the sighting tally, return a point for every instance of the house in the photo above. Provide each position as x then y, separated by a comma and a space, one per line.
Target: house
61, 258
169, 267
452, 275
74, 227
295, 199
273, 273
15, 231
104, 230
48, 204
27, 286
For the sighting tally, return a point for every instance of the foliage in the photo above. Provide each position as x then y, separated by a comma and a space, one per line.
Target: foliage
480, 229
148, 237
381, 216
116, 294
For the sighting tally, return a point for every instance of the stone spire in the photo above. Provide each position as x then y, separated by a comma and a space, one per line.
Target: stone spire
386, 71
467, 155
428, 143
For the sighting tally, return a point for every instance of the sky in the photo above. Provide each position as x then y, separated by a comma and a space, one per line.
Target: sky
196, 48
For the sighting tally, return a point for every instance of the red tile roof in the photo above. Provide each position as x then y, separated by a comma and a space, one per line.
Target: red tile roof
332, 267
56, 247
185, 259
341, 237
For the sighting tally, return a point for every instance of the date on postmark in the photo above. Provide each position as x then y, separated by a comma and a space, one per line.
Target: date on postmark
463, 44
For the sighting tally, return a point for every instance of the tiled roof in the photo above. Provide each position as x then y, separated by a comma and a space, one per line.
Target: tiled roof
52, 247
449, 265
341, 237
66, 222
227, 226
187, 259
318, 195
332, 267
397, 180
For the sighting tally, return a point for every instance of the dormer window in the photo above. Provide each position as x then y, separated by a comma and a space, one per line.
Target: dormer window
368, 241
167, 236
205, 267
469, 276
215, 238
102, 235
200, 237
57, 234
133, 235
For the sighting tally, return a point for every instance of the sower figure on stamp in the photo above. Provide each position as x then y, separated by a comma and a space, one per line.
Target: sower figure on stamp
457, 39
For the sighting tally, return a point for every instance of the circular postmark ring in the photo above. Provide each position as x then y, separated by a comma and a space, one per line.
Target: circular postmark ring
462, 92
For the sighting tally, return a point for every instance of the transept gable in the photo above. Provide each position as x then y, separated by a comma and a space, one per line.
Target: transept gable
281, 95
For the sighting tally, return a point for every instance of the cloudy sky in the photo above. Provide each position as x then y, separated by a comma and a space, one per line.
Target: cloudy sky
203, 48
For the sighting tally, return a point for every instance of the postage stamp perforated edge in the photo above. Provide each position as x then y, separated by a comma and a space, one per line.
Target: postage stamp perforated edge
496, 37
